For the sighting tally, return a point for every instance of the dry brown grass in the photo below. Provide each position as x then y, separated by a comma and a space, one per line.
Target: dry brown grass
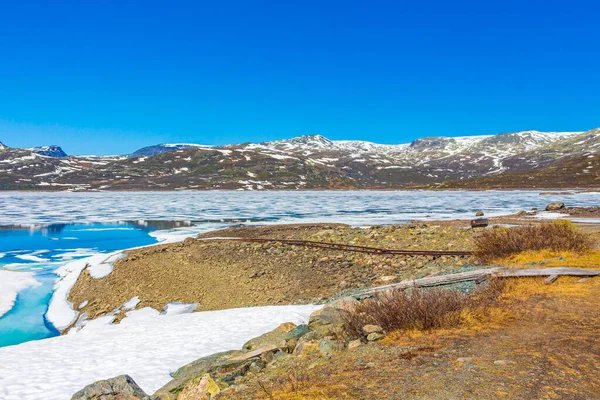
422, 309
500, 243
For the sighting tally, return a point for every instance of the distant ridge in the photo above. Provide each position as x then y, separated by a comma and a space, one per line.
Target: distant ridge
150, 151
50, 151
316, 162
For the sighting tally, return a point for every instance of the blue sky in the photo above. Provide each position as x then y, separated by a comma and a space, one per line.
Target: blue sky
109, 77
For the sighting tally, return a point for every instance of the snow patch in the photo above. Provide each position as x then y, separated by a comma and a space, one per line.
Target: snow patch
11, 283
146, 345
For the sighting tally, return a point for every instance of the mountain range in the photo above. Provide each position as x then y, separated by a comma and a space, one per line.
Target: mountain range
528, 159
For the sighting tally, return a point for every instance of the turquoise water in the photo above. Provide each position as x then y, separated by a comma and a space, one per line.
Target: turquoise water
42, 250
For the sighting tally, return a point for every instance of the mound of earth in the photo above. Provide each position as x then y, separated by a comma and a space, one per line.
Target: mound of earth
221, 274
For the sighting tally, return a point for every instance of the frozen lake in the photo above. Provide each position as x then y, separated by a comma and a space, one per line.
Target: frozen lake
39, 232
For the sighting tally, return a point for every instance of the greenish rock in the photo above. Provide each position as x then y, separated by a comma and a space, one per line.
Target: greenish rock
329, 321
327, 347
276, 337
122, 387
294, 335
375, 336
221, 367
311, 336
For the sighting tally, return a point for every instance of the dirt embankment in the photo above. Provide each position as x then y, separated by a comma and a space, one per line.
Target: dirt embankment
225, 274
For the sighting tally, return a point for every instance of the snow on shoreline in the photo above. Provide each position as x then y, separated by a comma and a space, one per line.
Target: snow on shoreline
11, 283
146, 345
60, 312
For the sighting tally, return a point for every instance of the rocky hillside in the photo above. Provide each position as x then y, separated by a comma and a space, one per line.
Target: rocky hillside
305, 162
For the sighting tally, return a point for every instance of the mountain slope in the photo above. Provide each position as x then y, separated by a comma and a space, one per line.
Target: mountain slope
305, 162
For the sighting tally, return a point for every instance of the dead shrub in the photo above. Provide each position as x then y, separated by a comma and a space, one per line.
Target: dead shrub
499, 243
421, 309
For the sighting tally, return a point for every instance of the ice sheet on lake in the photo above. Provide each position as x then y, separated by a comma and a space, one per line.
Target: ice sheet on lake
11, 283
353, 207
146, 345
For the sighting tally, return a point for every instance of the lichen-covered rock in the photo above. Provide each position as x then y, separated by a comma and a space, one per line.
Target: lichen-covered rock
306, 348
122, 387
204, 388
291, 340
276, 337
375, 336
327, 347
328, 321
220, 366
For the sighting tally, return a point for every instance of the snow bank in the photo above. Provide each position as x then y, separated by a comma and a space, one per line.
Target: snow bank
60, 311
146, 345
11, 283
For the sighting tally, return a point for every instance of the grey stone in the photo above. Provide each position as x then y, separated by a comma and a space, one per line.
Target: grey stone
331, 346
122, 387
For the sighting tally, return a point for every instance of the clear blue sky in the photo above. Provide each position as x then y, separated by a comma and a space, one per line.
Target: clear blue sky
108, 77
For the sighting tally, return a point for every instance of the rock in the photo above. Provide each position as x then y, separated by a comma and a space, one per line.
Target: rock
368, 329
327, 347
255, 353
464, 360
479, 214
555, 206
275, 337
345, 303
328, 321
257, 366
371, 337
291, 340
204, 388
354, 344
312, 336
501, 362
119, 388
220, 366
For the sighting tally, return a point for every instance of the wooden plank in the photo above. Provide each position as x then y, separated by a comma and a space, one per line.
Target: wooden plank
509, 272
550, 279
434, 280
481, 274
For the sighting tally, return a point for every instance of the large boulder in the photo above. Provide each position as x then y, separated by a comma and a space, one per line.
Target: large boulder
224, 367
276, 337
120, 388
555, 206
330, 320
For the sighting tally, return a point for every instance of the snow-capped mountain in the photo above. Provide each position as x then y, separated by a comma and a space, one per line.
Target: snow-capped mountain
50, 151
150, 151
305, 162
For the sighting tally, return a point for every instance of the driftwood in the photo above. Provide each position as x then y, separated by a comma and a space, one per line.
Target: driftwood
481, 275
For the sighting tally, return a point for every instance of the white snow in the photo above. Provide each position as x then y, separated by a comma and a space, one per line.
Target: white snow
179, 308
101, 269
60, 311
132, 303
11, 283
146, 345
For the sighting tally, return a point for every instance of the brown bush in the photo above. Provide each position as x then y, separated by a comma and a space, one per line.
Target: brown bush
421, 309
556, 236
